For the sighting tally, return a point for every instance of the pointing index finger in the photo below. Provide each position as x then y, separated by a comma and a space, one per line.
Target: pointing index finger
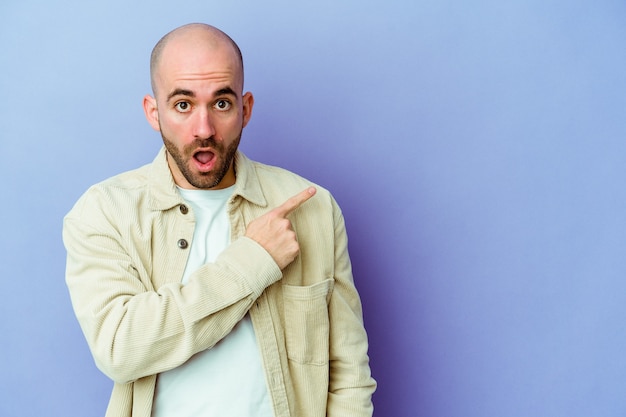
294, 202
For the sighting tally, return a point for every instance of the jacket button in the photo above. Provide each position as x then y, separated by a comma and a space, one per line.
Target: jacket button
182, 243
183, 209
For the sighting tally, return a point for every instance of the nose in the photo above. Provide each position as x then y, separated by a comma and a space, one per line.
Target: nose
203, 125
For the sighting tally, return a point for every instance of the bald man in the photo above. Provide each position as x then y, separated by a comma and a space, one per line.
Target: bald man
207, 284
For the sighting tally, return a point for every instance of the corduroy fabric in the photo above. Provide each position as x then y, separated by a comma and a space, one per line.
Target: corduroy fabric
125, 261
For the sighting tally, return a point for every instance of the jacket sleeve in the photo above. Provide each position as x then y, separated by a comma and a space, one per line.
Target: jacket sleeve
350, 383
134, 330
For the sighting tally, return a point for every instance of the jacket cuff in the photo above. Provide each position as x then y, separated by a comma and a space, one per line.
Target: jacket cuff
253, 263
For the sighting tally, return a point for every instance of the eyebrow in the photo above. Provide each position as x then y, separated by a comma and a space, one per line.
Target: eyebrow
226, 91
181, 92
189, 93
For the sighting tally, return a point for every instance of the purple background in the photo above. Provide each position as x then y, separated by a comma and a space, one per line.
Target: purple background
477, 149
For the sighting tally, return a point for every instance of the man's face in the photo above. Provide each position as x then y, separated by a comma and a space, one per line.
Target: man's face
200, 112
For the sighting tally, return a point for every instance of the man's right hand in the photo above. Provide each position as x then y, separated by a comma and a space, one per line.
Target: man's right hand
274, 232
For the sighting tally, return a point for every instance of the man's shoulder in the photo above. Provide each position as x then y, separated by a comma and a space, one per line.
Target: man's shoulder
274, 174
278, 184
124, 189
132, 181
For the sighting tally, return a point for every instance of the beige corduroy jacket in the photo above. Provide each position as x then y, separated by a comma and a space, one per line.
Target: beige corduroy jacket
127, 242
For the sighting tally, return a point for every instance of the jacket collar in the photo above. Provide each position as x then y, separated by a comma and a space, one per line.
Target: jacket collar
164, 194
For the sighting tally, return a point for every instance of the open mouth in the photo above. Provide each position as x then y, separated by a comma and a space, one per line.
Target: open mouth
204, 159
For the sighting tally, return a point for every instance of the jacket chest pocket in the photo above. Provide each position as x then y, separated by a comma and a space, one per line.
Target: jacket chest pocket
307, 326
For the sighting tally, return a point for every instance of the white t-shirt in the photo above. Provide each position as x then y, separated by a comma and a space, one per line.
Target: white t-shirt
227, 380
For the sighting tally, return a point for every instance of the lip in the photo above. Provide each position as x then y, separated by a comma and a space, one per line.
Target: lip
204, 159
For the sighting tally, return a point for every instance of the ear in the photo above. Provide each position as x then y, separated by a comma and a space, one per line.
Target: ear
151, 111
248, 103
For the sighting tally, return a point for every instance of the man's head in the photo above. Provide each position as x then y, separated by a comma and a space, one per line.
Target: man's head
198, 105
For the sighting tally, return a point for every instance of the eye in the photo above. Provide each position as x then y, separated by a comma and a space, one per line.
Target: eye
222, 105
182, 106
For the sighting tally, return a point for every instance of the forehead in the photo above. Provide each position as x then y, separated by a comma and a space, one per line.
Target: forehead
189, 59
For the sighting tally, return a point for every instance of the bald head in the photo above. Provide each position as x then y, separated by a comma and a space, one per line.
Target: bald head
199, 35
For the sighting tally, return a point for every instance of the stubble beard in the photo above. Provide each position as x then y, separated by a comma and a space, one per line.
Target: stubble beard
203, 180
